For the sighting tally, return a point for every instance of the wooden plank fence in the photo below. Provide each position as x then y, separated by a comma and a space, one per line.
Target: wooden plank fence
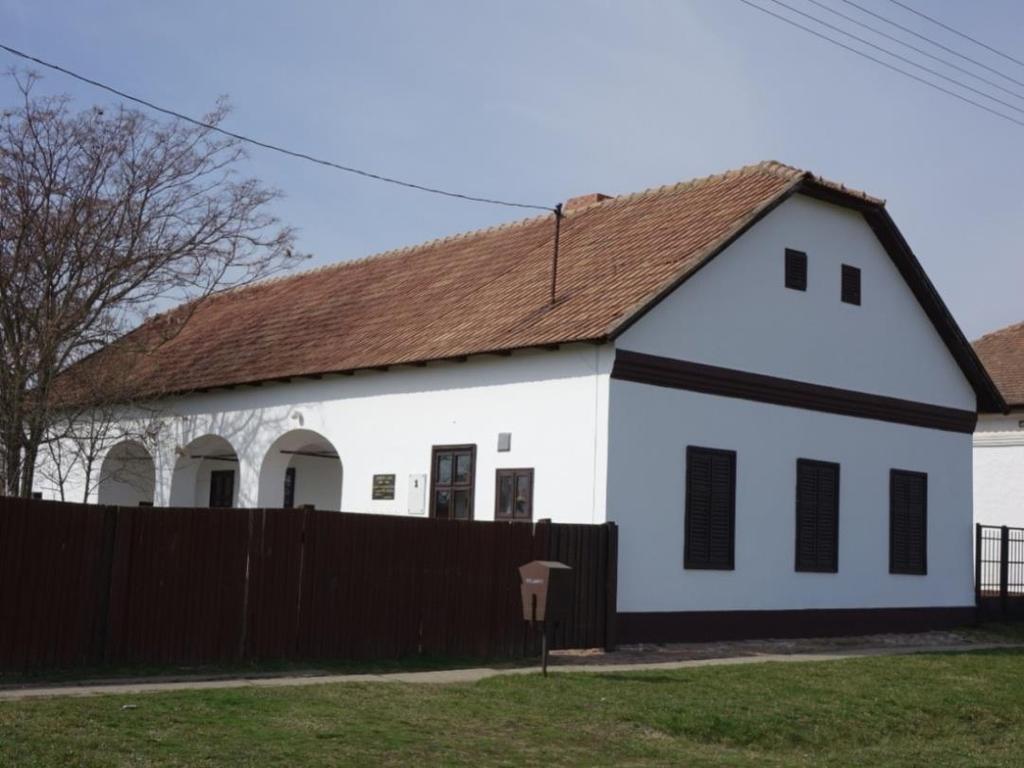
88, 585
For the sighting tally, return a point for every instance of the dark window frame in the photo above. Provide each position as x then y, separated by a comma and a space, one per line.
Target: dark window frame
817, 567
907, 568
498, 514
850, 285
470, 487
691, 561
795, 272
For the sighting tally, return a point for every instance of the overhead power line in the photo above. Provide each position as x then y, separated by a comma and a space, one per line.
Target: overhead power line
957, 32
899, 57
269, 146
886, 64
914, 48
936, 43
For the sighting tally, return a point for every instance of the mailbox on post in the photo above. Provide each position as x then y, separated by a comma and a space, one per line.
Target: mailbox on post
547, 596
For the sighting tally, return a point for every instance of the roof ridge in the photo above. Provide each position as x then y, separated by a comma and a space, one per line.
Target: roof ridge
1000, 331
771, 166
693, 182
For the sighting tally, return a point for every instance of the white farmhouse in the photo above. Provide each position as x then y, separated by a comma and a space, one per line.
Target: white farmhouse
750, 373
999, 439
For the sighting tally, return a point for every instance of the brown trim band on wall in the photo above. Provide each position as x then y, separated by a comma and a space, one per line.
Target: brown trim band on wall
703, 626
713, 380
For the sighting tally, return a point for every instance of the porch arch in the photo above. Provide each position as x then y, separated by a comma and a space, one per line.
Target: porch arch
301, 467
205, 474
127, 475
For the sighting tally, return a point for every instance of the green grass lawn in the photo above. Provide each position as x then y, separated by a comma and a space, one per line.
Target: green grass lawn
932, 710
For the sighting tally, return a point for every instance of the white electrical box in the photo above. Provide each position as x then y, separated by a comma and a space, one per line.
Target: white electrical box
417, 494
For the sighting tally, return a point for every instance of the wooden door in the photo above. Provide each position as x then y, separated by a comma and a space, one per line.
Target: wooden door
222, 488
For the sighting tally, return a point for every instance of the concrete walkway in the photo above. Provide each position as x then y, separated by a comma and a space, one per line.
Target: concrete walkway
449, 676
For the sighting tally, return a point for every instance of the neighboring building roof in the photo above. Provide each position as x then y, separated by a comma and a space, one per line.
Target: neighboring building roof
1002, 352
489, 291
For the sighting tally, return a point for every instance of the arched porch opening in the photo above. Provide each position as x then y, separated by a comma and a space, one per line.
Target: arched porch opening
301, 467
205, 474
127, 476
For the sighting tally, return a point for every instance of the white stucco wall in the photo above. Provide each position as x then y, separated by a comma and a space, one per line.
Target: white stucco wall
554, 404
649, 430
999, 469
737, 313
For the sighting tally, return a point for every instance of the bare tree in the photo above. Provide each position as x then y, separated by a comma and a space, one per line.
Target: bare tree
106, 218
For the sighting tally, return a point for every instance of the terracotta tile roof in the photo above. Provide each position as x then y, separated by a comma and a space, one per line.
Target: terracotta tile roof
483, 291
1002, 352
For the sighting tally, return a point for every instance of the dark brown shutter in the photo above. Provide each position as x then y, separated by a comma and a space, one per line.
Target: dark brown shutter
851, 284
817, 516
908, 522
796, 270
710, 509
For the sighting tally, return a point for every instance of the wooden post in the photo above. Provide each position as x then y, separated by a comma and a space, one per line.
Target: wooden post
1004, 569
544, 649
977, 565
101, 619
611, 598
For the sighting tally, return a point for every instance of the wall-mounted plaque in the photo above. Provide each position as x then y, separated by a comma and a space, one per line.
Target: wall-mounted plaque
383, 487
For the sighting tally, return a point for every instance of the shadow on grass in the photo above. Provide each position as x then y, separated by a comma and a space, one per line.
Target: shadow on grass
319, 668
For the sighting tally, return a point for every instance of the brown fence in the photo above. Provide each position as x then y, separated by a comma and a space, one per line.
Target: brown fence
86, 585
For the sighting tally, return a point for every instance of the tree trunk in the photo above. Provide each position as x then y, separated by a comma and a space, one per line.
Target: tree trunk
28, 470
87, 484
12, 464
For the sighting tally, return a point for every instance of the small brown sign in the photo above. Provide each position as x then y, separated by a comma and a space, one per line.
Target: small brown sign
383, 487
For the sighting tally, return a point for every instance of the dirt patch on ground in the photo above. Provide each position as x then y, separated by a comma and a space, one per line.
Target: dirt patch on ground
648, 653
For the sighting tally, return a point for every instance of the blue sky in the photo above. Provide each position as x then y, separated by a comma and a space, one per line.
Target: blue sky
538, 101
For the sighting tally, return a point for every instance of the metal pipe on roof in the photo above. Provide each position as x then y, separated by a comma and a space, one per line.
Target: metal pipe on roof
554, 258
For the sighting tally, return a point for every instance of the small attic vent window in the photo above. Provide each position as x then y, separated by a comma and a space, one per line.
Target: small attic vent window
851, 285
796, 270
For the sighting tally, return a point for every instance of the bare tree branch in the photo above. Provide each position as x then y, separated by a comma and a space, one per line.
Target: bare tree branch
106, 219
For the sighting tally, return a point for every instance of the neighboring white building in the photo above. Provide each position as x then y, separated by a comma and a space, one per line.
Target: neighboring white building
750, 374
999, 439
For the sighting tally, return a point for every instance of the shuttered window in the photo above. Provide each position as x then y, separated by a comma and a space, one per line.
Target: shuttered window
817, 516
850, 288
796, 270
710, 509
908, 522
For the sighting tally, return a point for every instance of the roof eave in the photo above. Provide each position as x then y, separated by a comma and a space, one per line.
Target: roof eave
989, 398
418, 362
